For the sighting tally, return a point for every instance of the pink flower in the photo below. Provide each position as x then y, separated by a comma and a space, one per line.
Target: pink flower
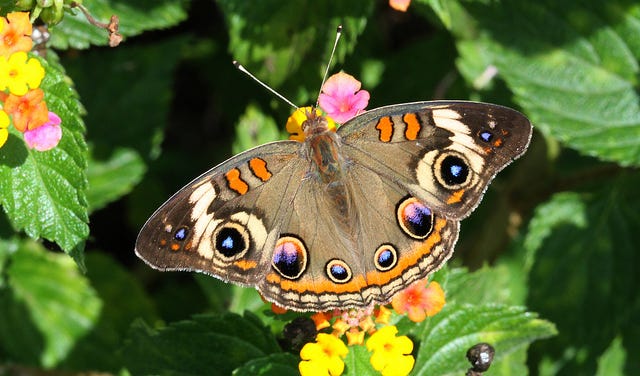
341, 97
46, 136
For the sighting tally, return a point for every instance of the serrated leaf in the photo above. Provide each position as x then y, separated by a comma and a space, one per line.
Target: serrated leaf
135, 17
586, 267
47, 306
446, 337
573, 69
43, 193
206, 344
112, 178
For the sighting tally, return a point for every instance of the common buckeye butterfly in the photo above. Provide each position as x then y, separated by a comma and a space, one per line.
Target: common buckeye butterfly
346, 218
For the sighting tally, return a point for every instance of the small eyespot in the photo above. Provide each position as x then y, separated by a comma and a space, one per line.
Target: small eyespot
231, 239
415, 218
338, 271
385, 258
485, 136
290, 257
181, 234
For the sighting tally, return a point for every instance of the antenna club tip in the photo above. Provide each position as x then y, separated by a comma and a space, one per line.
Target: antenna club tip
235, 63
339, 29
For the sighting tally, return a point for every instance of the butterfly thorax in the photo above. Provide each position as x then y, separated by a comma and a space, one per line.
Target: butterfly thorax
328, 166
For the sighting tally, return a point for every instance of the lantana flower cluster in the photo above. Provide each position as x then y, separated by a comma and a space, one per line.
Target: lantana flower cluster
21, 99
390, 353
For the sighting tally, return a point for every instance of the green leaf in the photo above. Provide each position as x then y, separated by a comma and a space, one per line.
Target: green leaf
206, 344
135, 80
281, 364
585, 275
134, 17
113, 178
446, 337
358, 362
47, 306
43, 193
611, 362
573, 68
273, 38
98, 350
254, 128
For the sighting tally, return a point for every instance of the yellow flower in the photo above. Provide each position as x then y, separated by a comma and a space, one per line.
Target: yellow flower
391, 354
323, 356
299, 116
19, 73
4, 124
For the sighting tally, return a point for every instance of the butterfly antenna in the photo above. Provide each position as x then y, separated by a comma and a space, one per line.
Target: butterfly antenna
326, 71
245, 71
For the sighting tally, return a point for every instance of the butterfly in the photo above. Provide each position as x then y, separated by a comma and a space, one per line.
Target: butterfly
346, 218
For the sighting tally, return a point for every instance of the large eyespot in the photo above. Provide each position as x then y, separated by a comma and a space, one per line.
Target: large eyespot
452, 170
385, 258
338, 271
289, 257
415, 218
231, 240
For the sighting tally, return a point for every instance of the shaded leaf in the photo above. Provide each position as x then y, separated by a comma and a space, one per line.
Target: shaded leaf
49, 307
281, 364
207, 344
586, 267
117, 288
112, 178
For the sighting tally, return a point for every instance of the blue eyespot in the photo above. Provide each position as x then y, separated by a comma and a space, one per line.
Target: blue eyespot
385, 257
454, 170
338, 271
289, 257
485, 136
181, 234
414, 218
231, 241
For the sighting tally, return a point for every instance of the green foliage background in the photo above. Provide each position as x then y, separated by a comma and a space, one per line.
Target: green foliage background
557, 232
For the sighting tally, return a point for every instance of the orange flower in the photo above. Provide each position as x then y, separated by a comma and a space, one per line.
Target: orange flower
419, 301
28, 111
15, 33
321, 319
400, 5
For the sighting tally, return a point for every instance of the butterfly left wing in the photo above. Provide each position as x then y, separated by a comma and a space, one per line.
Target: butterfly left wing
224, 223
443, 152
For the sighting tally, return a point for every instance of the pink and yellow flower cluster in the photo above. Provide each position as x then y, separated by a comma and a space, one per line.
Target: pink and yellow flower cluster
390, 353
21, 98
